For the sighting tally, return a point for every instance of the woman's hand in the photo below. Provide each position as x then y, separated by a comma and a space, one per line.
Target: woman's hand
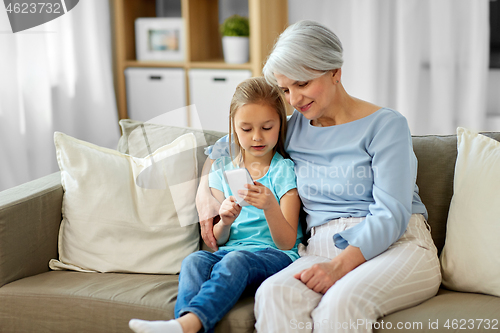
229, 211
320, 277
208, 213
208, 208
207, 232
258, 196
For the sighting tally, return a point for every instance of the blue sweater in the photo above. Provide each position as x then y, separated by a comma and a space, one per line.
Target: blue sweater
365, 168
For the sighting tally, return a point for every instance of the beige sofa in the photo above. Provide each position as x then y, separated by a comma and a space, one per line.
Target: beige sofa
35, 299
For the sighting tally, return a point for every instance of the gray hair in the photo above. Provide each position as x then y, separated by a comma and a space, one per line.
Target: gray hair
304, 51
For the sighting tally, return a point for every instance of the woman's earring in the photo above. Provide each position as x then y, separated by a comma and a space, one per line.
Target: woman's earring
337, 81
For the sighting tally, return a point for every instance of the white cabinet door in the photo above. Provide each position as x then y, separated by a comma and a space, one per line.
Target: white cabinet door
211, 92
154, 92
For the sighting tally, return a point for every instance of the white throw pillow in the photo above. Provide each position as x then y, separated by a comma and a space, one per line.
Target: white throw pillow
110, 224
470, 258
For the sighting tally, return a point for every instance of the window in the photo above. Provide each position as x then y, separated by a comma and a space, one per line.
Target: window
494, 33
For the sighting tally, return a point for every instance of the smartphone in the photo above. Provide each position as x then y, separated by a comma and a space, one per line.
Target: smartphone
237, 179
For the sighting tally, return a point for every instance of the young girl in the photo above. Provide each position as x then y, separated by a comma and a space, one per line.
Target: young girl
260, 239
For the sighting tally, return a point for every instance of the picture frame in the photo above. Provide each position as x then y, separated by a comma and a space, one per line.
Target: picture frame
159, 38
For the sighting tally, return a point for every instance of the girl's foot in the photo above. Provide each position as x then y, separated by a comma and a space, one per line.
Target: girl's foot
144, 326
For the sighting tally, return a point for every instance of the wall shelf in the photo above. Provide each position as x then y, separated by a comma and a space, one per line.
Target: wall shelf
203, 42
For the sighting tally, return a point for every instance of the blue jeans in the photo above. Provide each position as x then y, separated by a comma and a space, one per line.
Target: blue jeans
210, 284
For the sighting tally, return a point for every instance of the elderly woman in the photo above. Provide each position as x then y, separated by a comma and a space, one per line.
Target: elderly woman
370, 252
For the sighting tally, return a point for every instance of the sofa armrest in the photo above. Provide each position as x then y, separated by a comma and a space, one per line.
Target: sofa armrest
30, 215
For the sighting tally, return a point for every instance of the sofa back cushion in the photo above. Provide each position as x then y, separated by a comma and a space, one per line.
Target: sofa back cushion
135, 143
469, 260
436, 156
119, 214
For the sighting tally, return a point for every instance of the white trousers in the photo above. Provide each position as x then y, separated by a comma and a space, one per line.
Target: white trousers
406, 274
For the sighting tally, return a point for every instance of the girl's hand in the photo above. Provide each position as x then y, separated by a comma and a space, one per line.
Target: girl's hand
258, 196
229, 210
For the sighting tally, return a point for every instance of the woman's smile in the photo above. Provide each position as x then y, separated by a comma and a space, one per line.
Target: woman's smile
305, 107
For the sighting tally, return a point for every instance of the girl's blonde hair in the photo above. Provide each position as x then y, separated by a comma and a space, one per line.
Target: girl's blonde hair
256, 90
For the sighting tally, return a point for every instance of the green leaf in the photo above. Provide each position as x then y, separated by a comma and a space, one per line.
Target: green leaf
235, 25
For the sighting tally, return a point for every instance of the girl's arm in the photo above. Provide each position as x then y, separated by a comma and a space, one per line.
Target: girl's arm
229, 211
282, 218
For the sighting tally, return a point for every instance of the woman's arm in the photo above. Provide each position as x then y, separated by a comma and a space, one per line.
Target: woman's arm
282, 218
394, 170
207, 206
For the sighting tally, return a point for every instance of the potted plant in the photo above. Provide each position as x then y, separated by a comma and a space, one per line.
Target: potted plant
235, 39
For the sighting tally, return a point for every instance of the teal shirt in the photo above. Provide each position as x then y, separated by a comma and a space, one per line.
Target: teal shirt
250, 231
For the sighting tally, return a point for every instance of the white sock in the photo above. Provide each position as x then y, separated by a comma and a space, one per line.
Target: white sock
143, 326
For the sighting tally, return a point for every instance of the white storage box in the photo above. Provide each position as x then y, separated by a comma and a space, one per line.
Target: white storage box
211, 91
152, 92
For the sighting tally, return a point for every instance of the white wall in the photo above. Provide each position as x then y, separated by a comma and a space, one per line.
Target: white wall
343, 18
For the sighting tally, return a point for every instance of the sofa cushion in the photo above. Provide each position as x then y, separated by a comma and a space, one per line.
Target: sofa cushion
82, 302
436, 156
133, 142
448, 311
470, 259
110, 224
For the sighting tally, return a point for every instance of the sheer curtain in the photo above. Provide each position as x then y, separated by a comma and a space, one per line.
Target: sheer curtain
428, 59
54, 77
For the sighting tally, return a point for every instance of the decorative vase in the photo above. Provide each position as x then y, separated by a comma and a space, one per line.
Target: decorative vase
235, 49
